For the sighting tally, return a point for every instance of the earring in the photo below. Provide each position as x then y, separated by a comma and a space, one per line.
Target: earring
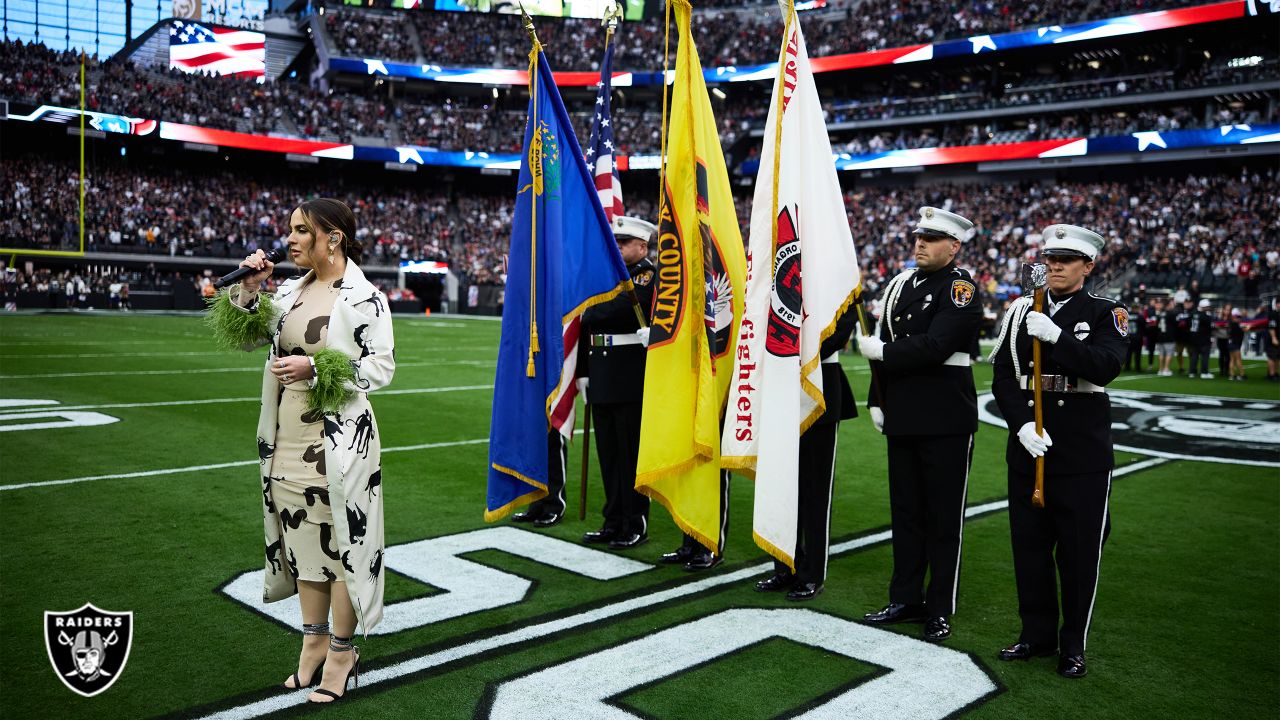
333, 243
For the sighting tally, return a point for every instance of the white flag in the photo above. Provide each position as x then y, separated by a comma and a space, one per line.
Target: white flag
797, 221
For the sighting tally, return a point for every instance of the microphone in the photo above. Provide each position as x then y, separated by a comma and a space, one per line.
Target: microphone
273, 257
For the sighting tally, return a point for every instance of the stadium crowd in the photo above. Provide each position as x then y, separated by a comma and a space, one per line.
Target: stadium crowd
1222, 231
1056, 126
36, 74
725, 36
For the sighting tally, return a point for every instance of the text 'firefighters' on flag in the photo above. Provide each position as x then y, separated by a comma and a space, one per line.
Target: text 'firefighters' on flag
696, 306
196, 48
563, 259
803, 275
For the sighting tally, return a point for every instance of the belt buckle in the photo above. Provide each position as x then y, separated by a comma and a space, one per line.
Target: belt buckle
1054, 383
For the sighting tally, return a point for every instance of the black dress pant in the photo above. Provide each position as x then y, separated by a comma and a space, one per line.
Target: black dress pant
928, 482
557, 461
1071, 528
816, 478
617, 427
1133, 361
1224, 357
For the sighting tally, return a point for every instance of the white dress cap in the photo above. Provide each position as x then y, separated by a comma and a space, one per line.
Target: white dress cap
1072, 240
936, 221
626, 226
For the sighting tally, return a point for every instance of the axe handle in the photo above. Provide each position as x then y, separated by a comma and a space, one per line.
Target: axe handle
1037, 496
586, 461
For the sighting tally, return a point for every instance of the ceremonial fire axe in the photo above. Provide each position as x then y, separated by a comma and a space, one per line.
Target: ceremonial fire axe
1034, 279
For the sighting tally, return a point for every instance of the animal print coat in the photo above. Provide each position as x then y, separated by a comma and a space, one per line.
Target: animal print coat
360, 328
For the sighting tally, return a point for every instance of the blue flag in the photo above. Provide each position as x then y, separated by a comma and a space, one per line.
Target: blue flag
563, 259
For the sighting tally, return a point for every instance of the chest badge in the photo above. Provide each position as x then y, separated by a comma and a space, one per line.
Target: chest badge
961, 292
927, 299
1082, 330
1120, 316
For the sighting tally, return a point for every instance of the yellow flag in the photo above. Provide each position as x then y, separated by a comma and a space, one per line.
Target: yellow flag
696, 308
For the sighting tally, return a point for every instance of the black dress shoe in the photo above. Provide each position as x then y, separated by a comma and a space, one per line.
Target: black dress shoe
628, 540
937, 629
896, 613
679, 556
603, 535
1072, 666
776, 582
804, 591
547, 519
1025, 651
526, 516
703, 561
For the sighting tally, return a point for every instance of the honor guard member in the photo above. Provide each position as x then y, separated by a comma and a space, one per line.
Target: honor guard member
548, 511
1083, 342
817, 458
614, 386
922, 398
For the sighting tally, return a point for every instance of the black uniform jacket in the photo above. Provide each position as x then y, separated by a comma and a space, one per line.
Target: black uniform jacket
836, 391
932, 321
616, 373
1092, 346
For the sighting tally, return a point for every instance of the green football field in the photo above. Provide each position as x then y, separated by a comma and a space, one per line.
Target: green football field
156, 509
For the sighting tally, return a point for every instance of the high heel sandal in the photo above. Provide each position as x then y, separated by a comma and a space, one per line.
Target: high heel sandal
316, 629
340, 644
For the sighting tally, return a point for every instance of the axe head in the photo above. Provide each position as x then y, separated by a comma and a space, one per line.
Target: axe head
1034, 277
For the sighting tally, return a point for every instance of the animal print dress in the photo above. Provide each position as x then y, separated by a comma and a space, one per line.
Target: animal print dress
298, 484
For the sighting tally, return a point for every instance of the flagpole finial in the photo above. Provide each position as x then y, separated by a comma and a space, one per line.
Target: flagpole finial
613, 16
529, 29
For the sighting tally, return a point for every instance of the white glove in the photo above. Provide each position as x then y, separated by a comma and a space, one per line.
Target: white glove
877, 419
1039, 325
871, 347
582, 384
644, 336
1036, 445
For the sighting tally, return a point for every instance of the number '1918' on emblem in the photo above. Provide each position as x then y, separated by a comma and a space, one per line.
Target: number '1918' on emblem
88, 647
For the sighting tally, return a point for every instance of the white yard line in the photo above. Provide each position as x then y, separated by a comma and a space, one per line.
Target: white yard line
551, 627
251, 368
215, 466
80, 356
18, 406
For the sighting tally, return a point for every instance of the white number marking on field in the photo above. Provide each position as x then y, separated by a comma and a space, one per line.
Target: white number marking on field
471, 587
925, 681
46, 418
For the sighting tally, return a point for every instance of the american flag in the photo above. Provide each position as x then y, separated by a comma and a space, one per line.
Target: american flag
194, 48
599, 156
600, 147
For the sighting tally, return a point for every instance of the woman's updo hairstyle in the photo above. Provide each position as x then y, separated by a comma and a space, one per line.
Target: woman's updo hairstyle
326, 215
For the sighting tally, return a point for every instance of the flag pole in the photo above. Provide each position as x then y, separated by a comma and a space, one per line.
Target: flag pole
535, 167
613, 16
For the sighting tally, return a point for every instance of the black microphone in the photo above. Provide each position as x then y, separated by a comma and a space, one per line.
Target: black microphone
273, 257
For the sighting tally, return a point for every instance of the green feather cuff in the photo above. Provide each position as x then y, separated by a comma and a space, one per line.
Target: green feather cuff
333, 373
234, 328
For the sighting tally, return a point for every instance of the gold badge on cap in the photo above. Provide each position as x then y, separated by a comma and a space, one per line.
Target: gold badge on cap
1061, 232
928, 212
